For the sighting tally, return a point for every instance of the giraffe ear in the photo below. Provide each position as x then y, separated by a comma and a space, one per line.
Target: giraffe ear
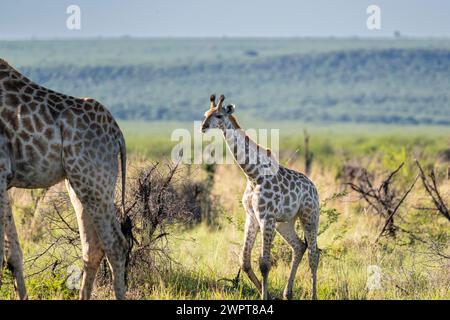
229, 109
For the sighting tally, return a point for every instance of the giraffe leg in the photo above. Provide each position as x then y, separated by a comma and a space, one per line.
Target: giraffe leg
13, 254
93, 175
251, 231
4, 204
287, 231
313, 258
115, 246
90, 243
267, 226
111, 239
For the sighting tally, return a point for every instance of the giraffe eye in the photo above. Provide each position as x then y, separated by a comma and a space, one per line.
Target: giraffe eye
219, 116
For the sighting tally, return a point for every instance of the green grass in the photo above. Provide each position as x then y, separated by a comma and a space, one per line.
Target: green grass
205, 259
329, 141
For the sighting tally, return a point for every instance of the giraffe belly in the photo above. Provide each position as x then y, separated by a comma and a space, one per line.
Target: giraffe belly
286, 215
34, 168
287, 208
35, 180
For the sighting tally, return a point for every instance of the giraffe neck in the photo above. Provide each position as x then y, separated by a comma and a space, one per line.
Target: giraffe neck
252, 158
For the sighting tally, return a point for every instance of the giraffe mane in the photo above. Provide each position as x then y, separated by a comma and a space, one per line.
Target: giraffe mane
247, 137
3, 62
234, 122
12, 70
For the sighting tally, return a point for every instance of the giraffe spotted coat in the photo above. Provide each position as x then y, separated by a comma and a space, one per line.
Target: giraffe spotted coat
46, 137
273, 200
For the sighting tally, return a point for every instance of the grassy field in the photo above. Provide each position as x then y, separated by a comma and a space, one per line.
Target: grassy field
369, 103
204, 258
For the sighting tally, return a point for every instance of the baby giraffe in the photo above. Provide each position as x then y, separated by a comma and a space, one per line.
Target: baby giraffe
273, 200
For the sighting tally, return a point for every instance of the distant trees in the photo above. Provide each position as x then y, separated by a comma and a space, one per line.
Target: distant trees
387, 85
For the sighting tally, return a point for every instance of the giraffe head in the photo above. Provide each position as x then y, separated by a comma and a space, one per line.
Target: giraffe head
217, 115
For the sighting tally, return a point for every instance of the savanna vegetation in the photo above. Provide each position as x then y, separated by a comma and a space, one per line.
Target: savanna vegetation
369, 106
189, 235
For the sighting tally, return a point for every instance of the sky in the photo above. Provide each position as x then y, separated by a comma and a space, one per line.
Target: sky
25, 19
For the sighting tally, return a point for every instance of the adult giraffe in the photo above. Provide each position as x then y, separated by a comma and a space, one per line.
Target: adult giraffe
274, 199
46, 137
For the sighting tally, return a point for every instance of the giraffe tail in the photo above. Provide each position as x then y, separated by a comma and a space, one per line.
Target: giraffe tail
123, 169
126, 223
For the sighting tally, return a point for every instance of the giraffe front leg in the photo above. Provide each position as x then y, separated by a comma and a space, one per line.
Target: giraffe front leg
4, 204
267, 225
251, 231
13, 254
5, 172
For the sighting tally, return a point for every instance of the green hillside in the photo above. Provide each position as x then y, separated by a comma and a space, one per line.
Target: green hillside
340, 80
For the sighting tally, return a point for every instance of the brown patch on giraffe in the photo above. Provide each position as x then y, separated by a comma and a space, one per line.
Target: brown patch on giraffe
3, 74
27, 124
54, 113
40, 94
60, 106
46, 116
31, 153
40, 145
53, 156
89, 135
45, 163
48, 133
13, 85
29, 90
53, 97
25, 98
268, 194
18, 148
39, 125
284, 189
91, 116
25, 136
32, 105
12, 100
86, 118
10, 117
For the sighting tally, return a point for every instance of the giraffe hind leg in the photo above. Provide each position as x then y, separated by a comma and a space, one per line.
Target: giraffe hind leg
288, 233
91, 246
101, 215
310, 231
5, 207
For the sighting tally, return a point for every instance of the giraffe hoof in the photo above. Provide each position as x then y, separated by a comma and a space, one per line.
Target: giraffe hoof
287, 295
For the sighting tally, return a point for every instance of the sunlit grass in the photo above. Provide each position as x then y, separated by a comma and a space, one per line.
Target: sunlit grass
205, 259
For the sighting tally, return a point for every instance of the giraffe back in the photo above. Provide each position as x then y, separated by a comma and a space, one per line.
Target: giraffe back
40, 125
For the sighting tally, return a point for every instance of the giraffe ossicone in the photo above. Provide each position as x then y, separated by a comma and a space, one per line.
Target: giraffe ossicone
47, 137
273, 201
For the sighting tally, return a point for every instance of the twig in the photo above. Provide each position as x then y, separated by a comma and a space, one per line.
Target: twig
388, 219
